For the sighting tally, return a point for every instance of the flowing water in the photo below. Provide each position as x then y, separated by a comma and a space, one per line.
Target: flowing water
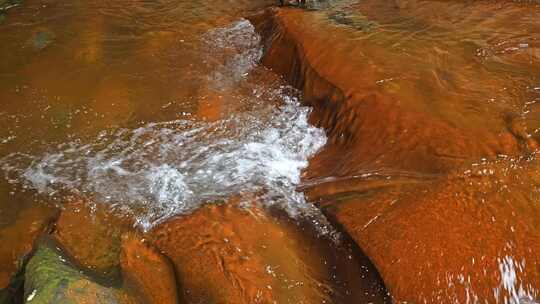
172, 167
154, 110
158, 109
432, 123
178, 113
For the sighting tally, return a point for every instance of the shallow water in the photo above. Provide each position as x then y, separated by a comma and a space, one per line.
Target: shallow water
156, 109
172, 167
415, 97
223, 125
472, 64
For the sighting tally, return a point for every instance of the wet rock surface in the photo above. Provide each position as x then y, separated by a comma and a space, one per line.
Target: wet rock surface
18, 239
430, 108
233, 255
91, 235
51, 278
376, 125
147, 272
471, 235
442, 200
220, 254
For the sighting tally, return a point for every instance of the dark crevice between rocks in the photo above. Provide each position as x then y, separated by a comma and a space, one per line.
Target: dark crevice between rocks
14, 293
344, 253
327, 103
328, 108
365, 261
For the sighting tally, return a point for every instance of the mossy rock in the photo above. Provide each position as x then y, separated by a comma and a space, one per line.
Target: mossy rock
50, 278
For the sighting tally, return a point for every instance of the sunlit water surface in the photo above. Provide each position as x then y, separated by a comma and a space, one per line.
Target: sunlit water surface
241, 130
156, 108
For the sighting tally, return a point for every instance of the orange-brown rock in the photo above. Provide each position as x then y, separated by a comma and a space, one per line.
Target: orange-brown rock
471, 236
91, 235
405, 121
376, 121
18, 238
146, 271
226, 254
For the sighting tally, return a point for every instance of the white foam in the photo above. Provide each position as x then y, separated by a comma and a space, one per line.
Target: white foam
166, 168
511, 289
173, 167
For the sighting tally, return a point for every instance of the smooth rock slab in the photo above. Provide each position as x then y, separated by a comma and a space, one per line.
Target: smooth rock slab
233, 255
472, 235
223, 254
147, 271
91, 235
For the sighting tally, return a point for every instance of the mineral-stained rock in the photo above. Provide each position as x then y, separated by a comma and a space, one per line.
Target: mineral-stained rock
18, 237
91, 235
397, 173
50, 278
373, 120
227, 254
472, 235
223, 254
147, 271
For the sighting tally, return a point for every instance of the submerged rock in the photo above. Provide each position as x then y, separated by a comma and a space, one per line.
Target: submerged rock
375, 119
221, 253
7, 4
472, 235
51, 278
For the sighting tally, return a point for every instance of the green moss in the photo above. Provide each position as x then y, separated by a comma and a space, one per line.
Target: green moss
50, 278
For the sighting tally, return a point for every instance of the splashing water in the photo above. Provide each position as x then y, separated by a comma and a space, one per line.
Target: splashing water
512, 290
236, 50
166, 168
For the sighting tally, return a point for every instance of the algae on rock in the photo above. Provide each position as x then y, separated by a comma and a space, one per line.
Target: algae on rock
50, 278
